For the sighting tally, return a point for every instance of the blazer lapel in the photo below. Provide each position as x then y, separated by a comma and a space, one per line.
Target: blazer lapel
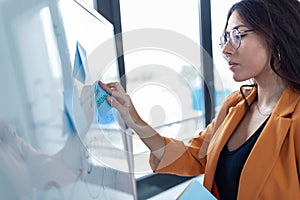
267, 148
222, 135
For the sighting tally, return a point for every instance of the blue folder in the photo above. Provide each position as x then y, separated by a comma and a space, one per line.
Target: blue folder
195, 190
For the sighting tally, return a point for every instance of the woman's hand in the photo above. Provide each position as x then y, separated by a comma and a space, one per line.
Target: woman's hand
120, 100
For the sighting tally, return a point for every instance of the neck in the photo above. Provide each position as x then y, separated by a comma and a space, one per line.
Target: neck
269, 94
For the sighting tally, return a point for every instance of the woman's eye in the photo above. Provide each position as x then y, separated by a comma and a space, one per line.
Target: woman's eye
237, 37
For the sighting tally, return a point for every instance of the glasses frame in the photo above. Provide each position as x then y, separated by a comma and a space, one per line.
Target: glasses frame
227, 36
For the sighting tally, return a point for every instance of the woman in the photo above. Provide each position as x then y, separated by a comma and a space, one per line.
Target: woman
251, 150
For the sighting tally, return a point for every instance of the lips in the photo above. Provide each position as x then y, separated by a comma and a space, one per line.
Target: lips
232, 64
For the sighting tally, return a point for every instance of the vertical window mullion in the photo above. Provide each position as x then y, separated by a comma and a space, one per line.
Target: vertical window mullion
207, 61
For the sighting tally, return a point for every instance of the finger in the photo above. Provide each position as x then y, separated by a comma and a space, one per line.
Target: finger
120, 97
114, 103
116, 86
105, 87
115, 90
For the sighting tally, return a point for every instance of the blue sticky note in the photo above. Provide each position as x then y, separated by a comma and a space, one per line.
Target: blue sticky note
195, 190
102, 105
79, 69
105, 113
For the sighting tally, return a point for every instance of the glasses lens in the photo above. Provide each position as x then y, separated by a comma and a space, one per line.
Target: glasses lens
222, 43
235, 38
223, 40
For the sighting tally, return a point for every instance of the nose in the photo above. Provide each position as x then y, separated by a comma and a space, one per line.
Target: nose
228, 49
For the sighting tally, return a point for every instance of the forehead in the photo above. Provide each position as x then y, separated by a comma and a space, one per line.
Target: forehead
234, 21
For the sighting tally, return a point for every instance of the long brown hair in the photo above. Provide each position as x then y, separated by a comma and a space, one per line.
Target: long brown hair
279, 23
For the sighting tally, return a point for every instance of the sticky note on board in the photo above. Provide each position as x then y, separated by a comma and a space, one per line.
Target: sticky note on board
80, 62
101, 103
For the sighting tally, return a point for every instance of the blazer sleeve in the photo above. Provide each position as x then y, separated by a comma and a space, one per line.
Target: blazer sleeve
190, 159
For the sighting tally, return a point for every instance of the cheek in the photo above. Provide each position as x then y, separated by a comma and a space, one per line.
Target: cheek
256, 59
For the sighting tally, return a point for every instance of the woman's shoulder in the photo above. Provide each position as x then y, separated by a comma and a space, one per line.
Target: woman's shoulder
233, 98
238, 95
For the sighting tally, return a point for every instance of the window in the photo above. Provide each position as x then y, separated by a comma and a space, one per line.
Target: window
161, 41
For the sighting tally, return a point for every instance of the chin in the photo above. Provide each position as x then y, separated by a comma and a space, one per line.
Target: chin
239, 79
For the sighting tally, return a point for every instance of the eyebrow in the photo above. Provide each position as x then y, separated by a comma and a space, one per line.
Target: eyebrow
237, 27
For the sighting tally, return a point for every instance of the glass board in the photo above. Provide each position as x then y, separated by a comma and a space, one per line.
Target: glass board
55, 51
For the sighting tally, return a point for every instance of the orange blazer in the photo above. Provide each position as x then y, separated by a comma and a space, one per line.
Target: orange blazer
272, 169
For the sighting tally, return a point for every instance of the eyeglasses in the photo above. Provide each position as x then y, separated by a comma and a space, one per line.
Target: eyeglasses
234, 36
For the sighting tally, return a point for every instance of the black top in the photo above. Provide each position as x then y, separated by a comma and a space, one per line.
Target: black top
230, 166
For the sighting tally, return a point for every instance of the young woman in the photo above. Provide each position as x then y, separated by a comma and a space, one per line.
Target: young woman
251, 150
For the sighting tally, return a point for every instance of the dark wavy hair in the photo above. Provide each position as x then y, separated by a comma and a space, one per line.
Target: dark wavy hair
278, 21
